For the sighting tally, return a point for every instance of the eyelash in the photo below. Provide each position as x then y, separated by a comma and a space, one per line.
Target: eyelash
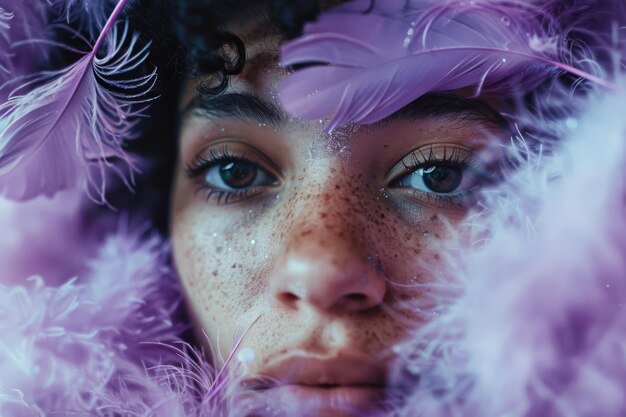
452, 156
198, 167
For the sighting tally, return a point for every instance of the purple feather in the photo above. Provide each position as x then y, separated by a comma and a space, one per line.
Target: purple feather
392, 55
52, 133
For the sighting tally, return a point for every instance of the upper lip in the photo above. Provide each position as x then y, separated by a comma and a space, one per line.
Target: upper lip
308, 370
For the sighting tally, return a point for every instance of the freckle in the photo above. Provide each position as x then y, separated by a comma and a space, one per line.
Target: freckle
408, 236
233, 266
215, 273
417, 251
434, 218
337, 187
323, 215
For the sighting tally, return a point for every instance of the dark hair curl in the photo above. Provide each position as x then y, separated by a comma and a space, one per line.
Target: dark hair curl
215, 52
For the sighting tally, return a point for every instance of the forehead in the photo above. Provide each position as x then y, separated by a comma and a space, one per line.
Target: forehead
262, 72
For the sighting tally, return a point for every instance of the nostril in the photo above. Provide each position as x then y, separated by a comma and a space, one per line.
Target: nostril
288, 298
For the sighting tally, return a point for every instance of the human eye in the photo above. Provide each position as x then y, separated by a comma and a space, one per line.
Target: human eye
442, 175
229, 176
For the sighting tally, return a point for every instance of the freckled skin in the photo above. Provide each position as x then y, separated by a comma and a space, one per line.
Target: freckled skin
334, 233
330, 249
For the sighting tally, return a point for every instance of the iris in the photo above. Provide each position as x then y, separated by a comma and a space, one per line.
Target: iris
238, 175
441, 179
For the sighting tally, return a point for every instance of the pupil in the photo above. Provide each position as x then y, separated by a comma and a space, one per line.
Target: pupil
442, 179
238, 174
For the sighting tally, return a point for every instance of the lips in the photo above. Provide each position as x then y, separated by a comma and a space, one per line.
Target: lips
312, 386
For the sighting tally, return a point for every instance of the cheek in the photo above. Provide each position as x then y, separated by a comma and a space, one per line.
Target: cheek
220, 260
412, 258
411, 248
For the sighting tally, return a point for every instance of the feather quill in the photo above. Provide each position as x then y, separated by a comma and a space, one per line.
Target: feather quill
52, 133
390, 56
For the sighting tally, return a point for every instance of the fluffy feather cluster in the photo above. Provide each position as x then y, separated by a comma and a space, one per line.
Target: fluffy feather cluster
530, 312
532, 318
78, 348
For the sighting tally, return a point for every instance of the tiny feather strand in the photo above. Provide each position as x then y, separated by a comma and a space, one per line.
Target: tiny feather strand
52, 135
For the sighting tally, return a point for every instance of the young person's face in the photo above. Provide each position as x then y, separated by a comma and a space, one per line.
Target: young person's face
322, 239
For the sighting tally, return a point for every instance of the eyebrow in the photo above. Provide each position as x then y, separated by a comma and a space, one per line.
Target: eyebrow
456, 109
245, 106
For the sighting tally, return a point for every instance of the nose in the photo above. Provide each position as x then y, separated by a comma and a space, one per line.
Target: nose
326, 263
